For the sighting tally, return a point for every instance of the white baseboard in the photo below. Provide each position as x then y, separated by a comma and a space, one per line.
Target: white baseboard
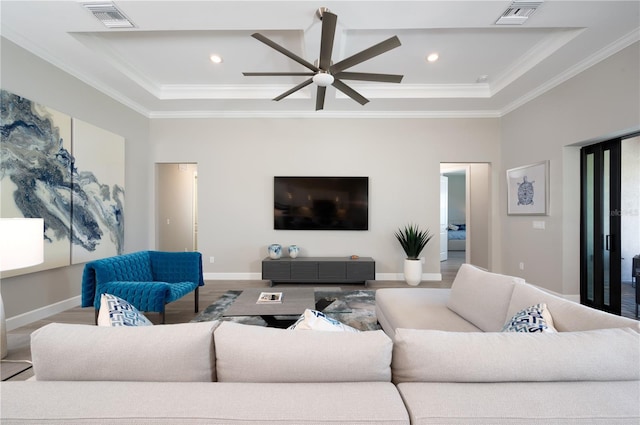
232, 276
42, 313
426, 277
258, 276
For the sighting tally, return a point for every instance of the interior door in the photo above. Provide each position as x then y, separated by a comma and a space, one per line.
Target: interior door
600, 226
444, 217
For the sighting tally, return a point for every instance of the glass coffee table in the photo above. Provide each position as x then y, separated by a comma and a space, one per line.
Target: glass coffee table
277, 314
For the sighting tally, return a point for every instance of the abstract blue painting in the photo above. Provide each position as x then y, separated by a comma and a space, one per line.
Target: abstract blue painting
40, 176
98, 204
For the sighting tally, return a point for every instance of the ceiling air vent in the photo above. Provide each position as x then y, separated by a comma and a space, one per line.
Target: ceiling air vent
109, 15
518, 12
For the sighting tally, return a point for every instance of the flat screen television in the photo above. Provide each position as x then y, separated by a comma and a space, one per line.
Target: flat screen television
321, 203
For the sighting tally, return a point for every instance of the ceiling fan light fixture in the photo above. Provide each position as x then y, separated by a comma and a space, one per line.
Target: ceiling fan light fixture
323, 79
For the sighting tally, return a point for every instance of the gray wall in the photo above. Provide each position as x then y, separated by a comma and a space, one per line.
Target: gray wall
238, 158
30, 77
595, 105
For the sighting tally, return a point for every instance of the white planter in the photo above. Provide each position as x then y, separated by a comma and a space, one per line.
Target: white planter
412, 272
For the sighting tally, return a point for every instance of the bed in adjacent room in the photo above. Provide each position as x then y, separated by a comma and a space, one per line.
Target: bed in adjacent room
457, 237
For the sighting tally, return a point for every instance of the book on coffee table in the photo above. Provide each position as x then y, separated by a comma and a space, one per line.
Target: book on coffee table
269, 298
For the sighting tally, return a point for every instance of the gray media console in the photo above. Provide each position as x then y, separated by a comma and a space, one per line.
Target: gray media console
319, 270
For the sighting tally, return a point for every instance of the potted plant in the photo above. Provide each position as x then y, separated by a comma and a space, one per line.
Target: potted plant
413, 240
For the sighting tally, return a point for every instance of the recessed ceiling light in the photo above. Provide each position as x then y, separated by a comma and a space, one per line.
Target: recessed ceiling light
432, 57
216, 59
482, 79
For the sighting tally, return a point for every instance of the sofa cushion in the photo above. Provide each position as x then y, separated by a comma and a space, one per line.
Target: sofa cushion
531, 319
509, 403
114, 311
201, 403
567, 315
246, 353
66, 352
313, 320
482, 297
418, 308
436, 356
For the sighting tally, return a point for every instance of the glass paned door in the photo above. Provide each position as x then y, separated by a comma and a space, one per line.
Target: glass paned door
600, 222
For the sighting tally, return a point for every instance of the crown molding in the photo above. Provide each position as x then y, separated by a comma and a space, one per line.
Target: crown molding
323, 114
47, 57
600, 55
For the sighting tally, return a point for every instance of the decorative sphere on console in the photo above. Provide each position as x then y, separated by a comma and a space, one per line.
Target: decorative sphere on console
275, 251
293, 251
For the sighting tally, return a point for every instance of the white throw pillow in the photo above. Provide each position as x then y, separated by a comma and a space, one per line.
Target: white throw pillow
531, 319
318, 321
115, 311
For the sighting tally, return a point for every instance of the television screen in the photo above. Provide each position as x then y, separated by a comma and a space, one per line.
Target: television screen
321, 203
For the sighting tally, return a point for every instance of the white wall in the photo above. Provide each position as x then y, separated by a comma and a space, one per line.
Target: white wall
597, 104
28, 76
237, 159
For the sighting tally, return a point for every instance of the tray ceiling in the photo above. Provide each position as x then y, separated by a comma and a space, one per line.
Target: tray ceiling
162, 66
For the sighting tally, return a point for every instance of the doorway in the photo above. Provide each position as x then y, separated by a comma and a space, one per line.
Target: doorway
177, 207
600, 226
610, 224
467, 219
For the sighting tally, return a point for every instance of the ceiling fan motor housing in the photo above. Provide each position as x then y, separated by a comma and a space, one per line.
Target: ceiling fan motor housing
323, 79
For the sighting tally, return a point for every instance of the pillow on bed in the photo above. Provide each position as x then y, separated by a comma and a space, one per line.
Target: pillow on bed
453, 227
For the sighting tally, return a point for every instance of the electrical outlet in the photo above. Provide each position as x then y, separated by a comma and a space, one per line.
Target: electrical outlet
521, 265
211, 259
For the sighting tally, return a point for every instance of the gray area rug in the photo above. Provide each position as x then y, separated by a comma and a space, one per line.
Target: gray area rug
353, 308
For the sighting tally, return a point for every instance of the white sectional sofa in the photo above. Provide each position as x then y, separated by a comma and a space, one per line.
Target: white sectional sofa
453, 365
204, 373
444, 361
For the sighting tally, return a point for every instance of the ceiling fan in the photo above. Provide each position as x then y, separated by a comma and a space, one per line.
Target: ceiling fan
326, 73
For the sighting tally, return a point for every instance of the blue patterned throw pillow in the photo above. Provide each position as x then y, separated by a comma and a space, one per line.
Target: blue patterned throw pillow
532, 319
318, 321
115, 311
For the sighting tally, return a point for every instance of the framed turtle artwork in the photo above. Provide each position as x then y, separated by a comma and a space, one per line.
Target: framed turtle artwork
528, 189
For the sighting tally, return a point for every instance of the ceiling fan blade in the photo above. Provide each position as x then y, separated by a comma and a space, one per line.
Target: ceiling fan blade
320, 97
365, 76
329, 21
276, 74
366, 54
284, 51
295, 89
350, 92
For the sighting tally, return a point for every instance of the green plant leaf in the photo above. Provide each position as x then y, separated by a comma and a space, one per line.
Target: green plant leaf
413, 240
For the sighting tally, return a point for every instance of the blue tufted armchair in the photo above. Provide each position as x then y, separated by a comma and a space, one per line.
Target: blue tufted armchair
147, 279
